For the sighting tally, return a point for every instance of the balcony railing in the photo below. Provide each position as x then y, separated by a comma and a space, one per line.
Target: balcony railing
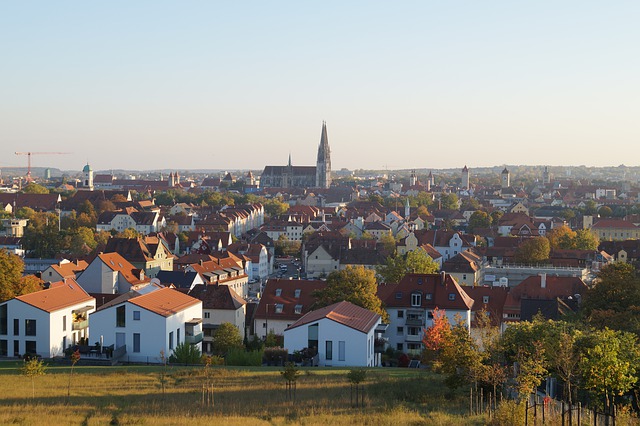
195, 339
413, 338
415, 321
80, 325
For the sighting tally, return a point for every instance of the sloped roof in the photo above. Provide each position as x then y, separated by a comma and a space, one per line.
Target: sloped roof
287, 298
180, 279
165, 301
119, 264
613, 223
344, 313
70, 269
59, 295
439, 286
215, 296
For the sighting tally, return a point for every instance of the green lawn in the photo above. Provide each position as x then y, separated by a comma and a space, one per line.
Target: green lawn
241, 395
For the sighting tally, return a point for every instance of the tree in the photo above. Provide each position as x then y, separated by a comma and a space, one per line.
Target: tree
12, 283
533, 250
561, 238
479, 219
389, 243
128, 233
33, 367
82, 241
605, 211
275, 207
226, 337
397, 266
34, 188
449, 201
609, 365
495, 216
614, 300
586, 240
74, 358
185, 353
531, 369
354, 284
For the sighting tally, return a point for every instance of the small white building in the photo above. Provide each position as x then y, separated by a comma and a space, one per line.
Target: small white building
343, 333
141, 326
45, 322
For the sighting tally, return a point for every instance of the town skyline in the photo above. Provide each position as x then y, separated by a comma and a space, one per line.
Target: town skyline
151, 85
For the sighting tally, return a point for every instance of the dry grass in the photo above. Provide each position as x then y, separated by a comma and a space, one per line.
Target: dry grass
132, 395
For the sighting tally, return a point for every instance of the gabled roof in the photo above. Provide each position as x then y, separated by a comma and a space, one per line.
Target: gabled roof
215, 296
70, 269
613, 223
118, 263
164, 302
180, 279
59, 295
440, 287
344, 313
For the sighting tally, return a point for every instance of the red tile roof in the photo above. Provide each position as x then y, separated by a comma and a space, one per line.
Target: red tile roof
165, 301
59, 295
439, 286
344, 313
287, 298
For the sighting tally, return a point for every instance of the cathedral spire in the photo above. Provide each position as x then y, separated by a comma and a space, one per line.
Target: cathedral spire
323, 166
289, 164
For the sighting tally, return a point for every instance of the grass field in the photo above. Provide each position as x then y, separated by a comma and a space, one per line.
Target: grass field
133, 395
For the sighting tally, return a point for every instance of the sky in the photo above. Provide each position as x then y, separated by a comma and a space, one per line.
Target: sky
232, 85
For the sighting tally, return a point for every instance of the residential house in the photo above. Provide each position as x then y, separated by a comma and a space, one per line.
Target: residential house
227, 271
259, 258
410, 304
181, 280
466, 267
45, 322
284, 302
111, 273
63, 270
343, 334
149, 253
142, 326
219, 304
615, 229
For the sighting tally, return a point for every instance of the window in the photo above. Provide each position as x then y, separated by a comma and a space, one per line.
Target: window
171, 340
416, 299
420, 280
178, 336
452, 296
4, 320
428, 296
29, 328
4, 347
297, 293
464, 276
64, 323
16, 327
341, 350
400, 314
399, 295
136, 342
400, 346
298, 309
30, 347
279, 307
485, 299
120, 316
329, 350
136, 315
16, 348
278, 292
400, 331
207, 315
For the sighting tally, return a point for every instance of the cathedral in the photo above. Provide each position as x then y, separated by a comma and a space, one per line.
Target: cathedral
289, 176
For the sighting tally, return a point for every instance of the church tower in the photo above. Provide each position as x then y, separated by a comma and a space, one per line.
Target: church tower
413, 179
465, 178
546, 176
506, 179
87, 178
323, 166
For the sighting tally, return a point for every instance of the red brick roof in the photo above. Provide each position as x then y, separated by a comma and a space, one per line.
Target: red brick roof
165, 301
59, 295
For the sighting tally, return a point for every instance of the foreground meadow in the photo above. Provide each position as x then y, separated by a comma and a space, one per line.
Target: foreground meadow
134, 395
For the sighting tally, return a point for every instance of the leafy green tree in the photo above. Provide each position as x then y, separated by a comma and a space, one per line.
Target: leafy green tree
449, 201
32, 368
609, 365
275, 207
226, 337
531, 369
495, 216
605, 211
533, 250
41, 236
128, 233
397, 266
479, 219
561, 238
185, 353
82, 241
586, 240
614, 300
34, 188
354, 284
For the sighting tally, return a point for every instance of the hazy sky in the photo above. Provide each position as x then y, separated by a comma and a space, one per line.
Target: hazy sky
241, 84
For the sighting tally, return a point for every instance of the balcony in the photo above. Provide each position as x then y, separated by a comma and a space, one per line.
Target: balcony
413, 338
195, 339
80, 325
415, 321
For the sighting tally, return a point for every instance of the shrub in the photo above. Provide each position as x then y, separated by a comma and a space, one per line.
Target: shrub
240, 357
185, 353
275, 356
508, 413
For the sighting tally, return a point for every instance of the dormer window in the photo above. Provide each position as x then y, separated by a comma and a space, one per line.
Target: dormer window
279, 307
428, 296
452, 296
297, 293
278, 292
416, 299
298, 309
420, 280
399, 295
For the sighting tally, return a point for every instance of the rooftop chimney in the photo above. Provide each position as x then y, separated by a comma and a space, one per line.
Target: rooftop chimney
543, 280
443, 275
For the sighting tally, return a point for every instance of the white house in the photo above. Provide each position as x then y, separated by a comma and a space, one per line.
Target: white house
343, 333
141, 326
111, 273
45, 322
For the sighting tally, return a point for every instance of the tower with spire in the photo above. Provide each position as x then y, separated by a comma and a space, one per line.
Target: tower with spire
465, 178
505, 179
87, 178
413, 179
323, 165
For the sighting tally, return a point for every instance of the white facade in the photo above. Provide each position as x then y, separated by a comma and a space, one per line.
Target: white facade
338, 344
145, 333
32, 330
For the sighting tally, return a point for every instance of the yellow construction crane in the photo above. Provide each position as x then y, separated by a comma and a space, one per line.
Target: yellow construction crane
29, 154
